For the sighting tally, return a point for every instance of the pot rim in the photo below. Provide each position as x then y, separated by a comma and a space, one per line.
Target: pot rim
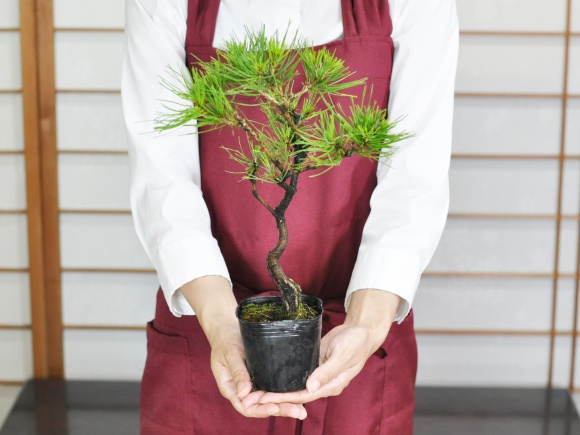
280, 322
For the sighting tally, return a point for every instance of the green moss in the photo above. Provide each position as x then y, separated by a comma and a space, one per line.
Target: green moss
271, 312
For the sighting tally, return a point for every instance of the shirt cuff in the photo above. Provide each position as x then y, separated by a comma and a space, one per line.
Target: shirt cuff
382, 269
183, 261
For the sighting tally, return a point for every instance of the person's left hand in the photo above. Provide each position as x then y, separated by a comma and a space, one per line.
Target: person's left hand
343, 353
344, 350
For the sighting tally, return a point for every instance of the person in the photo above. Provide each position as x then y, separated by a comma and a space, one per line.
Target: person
359, 236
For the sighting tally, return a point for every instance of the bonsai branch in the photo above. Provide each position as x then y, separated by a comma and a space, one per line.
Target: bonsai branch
241, 122
258, 197
273, 100
301, 92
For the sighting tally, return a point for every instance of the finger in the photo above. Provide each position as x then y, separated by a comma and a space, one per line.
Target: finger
258, 410
331, 368
261, 410
243, 388
332, 377
302, 396
229, 391
236, 364
251, 408
292, 410
333, 387
224, 381
286, 409
252, 398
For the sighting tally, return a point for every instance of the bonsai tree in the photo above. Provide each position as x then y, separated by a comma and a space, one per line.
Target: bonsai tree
304, 132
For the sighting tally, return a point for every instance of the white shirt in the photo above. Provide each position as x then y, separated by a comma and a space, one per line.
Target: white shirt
409, 205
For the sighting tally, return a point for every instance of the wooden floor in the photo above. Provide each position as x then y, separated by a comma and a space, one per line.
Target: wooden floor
54, 407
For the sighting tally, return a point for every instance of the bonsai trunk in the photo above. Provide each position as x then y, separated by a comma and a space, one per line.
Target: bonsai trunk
291, 293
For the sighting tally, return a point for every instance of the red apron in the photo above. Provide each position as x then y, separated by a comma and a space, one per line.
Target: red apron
325, 222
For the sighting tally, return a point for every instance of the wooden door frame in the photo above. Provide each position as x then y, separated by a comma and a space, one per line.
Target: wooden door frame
39, 107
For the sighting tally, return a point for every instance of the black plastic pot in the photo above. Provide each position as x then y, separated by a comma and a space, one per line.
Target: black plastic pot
281, 355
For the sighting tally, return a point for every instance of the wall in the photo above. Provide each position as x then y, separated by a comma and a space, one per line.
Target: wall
15, 335
484, 307
485, 303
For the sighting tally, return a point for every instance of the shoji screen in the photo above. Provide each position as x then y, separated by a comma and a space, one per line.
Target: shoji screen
16, 363
108, 288
497, 305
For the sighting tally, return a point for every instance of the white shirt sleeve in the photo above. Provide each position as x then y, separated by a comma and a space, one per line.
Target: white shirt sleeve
170, 215
410, 202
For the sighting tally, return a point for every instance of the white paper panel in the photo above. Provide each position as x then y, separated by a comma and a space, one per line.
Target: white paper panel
574, 66
88, 60
14, 298
10, 66
562, 361
9, 14
568, 246
90, 122
89, 240
571, 187
13, 182
13, 240
523, 15
503, 186
109, 298
483, 304
15, 354
575, 15
577, 376
89, 181
111, 355
577, 365
564, 304
83, 13
493, 303
502, 125
496, 245
11, 123
483, 360
573, 127
510, 64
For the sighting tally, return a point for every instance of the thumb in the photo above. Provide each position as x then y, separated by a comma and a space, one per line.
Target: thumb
240, 375
325, 373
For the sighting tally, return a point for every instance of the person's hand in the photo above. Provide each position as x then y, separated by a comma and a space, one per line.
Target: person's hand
212, 300
344, 350
233, 380
343, 353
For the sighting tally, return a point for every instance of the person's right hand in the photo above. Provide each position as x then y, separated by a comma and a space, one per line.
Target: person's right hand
233, 380
212, 299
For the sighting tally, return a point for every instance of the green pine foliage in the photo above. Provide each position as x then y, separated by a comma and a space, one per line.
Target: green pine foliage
299, 135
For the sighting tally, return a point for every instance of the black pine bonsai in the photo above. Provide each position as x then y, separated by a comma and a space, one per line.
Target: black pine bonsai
305, 130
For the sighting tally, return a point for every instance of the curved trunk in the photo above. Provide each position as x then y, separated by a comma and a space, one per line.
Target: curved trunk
291, 293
